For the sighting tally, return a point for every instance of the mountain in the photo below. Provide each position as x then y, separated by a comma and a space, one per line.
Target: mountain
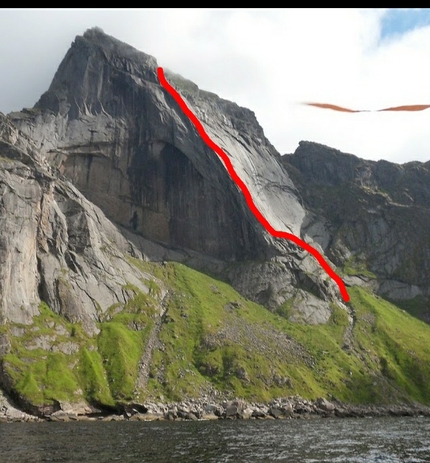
132, 268
372, 218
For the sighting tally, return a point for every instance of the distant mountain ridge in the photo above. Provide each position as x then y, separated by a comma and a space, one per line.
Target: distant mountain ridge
375, 215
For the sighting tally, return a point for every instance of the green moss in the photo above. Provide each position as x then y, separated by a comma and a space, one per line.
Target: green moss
43, 377
154, 289
396, 342
141, 303
93, 378
96, 375
59, 381
28, 387
212, 337
153, 268
285, 309
198, 350
249, 364
339, 317
120, 349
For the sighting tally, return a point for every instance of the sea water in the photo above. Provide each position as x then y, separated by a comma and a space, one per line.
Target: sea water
361, 440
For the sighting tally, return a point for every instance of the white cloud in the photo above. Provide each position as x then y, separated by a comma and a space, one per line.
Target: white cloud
266, 60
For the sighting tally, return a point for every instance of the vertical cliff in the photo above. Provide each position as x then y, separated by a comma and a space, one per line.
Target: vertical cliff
109, 126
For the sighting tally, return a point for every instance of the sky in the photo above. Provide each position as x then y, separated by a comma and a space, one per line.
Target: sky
268, 60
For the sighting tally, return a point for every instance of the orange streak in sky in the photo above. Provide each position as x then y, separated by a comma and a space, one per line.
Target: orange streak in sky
331, 106
413, 107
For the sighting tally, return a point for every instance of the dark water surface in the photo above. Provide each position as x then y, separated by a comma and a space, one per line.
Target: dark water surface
360, 440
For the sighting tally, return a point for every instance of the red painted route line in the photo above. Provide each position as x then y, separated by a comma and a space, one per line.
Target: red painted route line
244, 189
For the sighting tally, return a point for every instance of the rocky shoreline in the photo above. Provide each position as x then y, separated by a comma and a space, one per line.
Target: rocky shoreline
206, 409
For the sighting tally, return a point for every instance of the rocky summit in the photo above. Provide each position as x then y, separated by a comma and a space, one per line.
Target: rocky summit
132, 270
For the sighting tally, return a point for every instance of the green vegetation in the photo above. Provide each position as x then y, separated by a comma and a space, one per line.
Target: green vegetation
122, 340
43, 358
210, 337
214, 336
92, 378
419, 306
54, 359
354, 266
120, 348
396, 342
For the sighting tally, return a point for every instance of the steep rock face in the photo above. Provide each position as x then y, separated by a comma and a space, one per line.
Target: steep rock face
373, 215
112, 132
108, 125
55, 246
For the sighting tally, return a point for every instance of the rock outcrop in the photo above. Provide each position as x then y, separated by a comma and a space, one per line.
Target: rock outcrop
371, 217
55, 246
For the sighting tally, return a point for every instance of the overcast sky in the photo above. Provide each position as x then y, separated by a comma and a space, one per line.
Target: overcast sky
266, 60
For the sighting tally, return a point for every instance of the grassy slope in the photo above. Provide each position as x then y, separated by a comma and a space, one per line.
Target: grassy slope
213, 338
